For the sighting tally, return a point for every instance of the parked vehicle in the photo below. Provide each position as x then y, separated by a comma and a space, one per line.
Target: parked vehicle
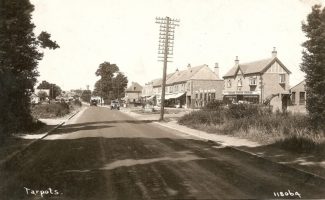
93, 102
115, 105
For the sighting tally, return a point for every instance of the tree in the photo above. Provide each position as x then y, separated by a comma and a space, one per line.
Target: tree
54, 89
78, 92
86, 95
314, 65
19, 56
42, 95
119, 84
112, 82
45, 41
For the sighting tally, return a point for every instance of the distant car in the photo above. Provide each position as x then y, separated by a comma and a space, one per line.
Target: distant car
93, 102
115, 105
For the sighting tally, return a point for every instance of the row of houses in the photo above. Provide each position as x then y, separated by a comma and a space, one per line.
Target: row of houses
262, 81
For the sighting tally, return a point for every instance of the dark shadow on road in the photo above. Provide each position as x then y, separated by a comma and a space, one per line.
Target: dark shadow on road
71, 129
313, 162
146, 168
113, 122
13, 143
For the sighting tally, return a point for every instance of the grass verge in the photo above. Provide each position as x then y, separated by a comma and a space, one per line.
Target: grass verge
287, 131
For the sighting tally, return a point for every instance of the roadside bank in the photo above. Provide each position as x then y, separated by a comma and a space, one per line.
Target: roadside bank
20, 141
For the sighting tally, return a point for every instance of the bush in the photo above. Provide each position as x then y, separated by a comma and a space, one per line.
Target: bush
238, 111
281, 124
214, 105
241, 111
202, 117
76, 102
50, 110
301, 144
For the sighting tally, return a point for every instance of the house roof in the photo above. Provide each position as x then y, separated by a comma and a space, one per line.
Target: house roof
301, 82
202, 72
254, 67
158, 82
135, 87
184, 75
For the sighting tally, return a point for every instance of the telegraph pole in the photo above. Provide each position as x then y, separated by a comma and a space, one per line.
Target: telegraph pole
165, 50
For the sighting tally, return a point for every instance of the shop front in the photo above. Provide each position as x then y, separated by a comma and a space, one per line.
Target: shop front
241, 97
173, 100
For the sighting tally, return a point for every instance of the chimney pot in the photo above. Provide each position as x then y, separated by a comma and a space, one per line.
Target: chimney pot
216, 69
274, 52
237, 60
189, 65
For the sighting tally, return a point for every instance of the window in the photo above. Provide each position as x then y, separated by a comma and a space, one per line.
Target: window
213, 96
282, 78
228, 83
293, 98
188, 86
196, 96
240, 83
302, 99
252, 81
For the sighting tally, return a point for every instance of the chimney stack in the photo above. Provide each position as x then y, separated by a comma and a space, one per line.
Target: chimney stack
274, 52
216, 69
237, 61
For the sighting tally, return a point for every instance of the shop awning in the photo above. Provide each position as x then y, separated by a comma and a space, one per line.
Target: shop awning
151, 97
175, 96
168, 96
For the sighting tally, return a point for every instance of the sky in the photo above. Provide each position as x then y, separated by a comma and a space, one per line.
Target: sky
124, 32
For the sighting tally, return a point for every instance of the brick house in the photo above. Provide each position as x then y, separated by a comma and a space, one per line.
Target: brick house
192, 87
298, 98
262, 81
133, 93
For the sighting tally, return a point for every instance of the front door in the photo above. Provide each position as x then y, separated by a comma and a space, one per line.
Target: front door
285, 99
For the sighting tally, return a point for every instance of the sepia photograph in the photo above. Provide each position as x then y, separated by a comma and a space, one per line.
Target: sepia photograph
162, 99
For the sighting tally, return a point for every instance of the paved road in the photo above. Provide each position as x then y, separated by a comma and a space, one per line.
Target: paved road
105, 154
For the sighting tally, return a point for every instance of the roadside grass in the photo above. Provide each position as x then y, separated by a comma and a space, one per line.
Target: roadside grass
53, 110
50, 110
314, 144
287, 131
12, 142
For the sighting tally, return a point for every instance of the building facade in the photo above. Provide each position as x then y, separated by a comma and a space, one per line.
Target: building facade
298, 98
133, 93
193, 87
263, 81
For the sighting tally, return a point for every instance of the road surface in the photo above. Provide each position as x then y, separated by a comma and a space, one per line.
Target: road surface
105, 154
